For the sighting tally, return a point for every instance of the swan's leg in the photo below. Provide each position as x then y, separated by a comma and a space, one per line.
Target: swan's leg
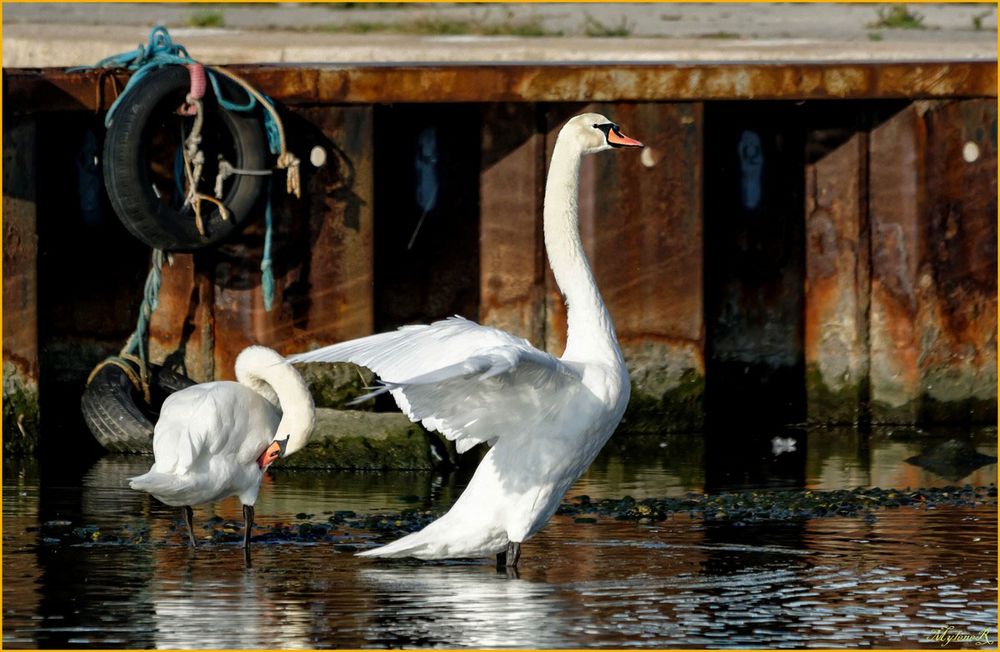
513, 554
189, 519
247, 524
501, 559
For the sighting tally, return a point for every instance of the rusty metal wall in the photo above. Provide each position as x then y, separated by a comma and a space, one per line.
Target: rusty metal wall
883, 257
52, 90
933, 311
837, 284
512, 183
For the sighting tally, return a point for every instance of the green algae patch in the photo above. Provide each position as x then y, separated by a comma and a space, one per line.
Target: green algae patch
20, 413
654, 407
830, 405
333, 385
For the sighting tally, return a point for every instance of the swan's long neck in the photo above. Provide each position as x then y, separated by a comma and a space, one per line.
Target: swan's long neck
271, 376
590, 332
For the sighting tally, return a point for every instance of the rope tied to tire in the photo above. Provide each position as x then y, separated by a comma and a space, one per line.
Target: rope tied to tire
162, 51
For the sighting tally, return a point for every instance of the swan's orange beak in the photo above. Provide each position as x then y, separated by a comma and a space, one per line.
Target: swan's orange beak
617, 139
272, 453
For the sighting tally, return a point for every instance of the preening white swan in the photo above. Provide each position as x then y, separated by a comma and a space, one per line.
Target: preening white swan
215, 440
545, 417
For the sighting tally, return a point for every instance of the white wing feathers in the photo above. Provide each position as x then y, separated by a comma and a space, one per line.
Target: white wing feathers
472, 383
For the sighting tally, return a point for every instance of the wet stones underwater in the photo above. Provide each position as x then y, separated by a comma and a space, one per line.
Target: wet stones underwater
351, 532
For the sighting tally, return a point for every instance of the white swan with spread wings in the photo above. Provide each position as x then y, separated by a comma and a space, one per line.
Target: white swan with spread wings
545, 418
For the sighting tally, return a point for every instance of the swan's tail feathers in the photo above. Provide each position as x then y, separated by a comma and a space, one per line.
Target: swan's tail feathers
162, 485
412, 545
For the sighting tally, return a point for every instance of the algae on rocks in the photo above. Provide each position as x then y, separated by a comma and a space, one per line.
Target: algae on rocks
334, 384
660, 406
20, 412
351, 439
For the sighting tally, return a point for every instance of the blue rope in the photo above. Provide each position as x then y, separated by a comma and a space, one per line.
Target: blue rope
271, 127
273, 136
178, 178
267, 276
226, 104
136, 344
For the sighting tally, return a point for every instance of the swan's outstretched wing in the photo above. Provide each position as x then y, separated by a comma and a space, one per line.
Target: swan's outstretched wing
472, 383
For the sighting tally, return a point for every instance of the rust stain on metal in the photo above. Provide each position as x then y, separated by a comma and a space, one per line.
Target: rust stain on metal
956, 281
933, 331
896, 203
512, 181
51, 89
837, 283
183, 323
20, 249
337, 274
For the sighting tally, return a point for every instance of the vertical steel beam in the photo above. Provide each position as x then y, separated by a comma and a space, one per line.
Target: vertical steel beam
837, 284
512, 184
896, 204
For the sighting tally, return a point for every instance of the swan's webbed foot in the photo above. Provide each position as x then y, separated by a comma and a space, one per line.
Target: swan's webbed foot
247, 525
189, 519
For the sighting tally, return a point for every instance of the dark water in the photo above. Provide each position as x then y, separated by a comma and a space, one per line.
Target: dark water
888, 579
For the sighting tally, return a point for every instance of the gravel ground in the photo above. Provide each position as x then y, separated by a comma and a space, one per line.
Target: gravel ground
39, 34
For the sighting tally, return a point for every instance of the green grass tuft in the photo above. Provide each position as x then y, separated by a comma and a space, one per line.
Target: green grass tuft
720, 35
445, 27
594, 27
898, 17
977, 20
207, 18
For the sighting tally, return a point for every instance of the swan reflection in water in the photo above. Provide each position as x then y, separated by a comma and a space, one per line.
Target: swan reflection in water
461, 604
207, 599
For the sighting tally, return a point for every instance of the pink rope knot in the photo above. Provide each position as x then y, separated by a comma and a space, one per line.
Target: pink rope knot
197, 92
197, 72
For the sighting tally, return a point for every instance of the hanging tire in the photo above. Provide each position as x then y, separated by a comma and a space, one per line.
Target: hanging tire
117, 414
151, 210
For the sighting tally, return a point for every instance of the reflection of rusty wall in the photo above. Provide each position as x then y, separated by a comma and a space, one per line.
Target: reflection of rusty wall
933, 296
